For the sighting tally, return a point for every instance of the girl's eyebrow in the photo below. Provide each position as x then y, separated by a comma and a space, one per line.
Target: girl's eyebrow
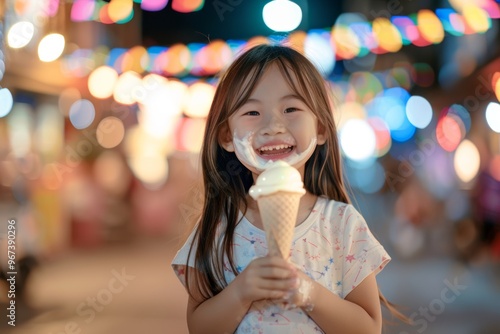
286, 97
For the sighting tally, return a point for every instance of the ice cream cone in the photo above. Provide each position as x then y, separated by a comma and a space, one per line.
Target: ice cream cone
278, 212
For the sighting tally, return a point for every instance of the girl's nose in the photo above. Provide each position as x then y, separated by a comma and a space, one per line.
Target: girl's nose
273, 125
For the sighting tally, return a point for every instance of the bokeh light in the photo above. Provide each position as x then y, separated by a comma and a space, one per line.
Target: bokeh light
466, 161
319, 50
407, 29
347, 42
111, 172
7, 102
153, 5
419, 111
477, 18
214, 57
152, 170
175, 60
20, 34
136, 59
20, 124
430, 26
82, 10
110, 132
126, 88
187, 6
366, 86
82, 114
198, 100
387, 35
493, 116
161, 107
368, 178
448, 133
49, 135
102, 82
382, 136
357, 140
51, 47
120, 9
347, 111
282, 15
190, 134
462, 117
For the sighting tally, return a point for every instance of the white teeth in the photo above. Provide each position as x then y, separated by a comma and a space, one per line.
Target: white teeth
275, 147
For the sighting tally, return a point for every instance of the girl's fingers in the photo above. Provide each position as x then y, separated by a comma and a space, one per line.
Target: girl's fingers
275, 273
281, 285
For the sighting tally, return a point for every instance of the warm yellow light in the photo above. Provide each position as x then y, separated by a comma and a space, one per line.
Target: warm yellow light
149, 84
110, 132
111, 172
466, 161
387, 35
200, 96
120, 9
177, 58
136, 59
51, 47
347, 111
150, 169
138, 142
161, 107
126, 87
346, 42
102, 81
477, 18
430, 26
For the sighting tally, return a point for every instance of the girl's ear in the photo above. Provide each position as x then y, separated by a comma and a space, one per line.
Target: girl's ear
225, 138
321, 139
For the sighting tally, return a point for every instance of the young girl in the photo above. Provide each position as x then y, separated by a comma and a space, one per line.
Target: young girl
272, 104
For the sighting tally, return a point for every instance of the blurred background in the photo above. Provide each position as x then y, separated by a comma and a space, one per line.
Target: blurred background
102, 111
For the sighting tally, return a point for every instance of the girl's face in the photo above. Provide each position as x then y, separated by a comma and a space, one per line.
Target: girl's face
273, 124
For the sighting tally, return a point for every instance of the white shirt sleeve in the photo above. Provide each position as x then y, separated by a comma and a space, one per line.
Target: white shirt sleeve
362, 254
181, 258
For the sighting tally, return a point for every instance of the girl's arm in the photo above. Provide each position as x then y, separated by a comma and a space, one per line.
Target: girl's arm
359, 312
263, 278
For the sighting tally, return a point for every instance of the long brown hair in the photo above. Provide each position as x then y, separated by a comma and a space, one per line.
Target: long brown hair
226, 181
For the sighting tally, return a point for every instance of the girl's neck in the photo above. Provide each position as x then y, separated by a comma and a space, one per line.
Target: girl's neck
305, 207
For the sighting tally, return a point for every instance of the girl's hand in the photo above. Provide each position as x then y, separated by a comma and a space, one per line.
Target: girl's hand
301, 295
265, 278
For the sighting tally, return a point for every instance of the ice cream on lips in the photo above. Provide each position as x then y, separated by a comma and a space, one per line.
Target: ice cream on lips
246, 153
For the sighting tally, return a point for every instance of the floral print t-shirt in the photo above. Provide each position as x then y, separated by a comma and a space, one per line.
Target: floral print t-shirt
333, 246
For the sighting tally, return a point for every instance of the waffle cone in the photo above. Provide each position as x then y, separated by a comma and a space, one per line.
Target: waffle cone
278, 213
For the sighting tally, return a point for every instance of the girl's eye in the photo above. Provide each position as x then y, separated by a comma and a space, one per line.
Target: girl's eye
291, 109
252, 113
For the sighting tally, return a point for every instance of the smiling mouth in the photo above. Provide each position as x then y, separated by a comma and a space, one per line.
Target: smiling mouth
275, 150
